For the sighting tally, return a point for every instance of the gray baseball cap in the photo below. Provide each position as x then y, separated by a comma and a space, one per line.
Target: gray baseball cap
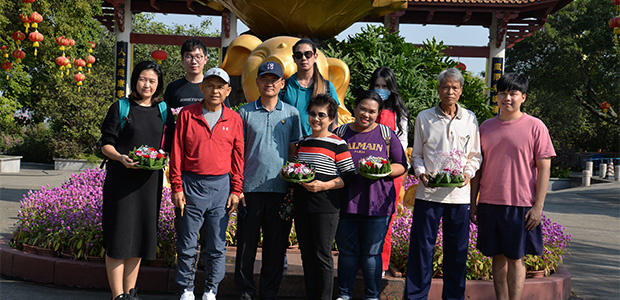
219, 73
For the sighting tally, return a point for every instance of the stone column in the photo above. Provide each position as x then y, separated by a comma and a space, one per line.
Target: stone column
602, 170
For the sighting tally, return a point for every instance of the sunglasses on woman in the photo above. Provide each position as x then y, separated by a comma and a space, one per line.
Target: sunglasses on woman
314, 114
307, 54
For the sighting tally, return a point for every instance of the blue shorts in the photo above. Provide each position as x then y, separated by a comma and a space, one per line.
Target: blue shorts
501, 230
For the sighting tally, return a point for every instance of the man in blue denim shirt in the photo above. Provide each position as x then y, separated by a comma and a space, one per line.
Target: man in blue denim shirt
271, 128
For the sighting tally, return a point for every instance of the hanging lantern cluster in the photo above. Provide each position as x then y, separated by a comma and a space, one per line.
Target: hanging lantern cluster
6, 65
614, 23
159, 55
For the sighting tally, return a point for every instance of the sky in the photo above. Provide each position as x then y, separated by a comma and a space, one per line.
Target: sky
450, 35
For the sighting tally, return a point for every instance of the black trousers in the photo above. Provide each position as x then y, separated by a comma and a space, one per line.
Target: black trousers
262, 212
316, 233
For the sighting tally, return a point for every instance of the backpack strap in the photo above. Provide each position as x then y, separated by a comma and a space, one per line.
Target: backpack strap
385, 133
341, 130
123, 110
163, 111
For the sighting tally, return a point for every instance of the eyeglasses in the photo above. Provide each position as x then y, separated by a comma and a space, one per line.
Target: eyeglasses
307, 54
314, 114
267, 81
190, 57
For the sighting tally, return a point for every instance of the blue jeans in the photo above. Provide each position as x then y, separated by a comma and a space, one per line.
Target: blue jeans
424, 227
360, 242
206, 198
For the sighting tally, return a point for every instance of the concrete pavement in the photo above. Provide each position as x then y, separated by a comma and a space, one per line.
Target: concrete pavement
590, 214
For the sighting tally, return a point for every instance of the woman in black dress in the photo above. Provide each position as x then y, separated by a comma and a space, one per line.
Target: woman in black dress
132, 196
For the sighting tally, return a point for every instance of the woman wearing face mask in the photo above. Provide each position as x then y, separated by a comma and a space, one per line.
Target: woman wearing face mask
306, 83
394, 115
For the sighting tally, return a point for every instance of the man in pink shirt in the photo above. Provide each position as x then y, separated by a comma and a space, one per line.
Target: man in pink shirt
206, 175
512, 183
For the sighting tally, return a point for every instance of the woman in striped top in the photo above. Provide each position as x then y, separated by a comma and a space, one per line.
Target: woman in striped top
317, 203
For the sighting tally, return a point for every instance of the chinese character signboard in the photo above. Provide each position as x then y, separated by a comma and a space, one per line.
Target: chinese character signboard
496, 74
121, 69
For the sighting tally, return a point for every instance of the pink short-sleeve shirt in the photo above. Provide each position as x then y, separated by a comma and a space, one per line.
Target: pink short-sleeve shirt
510, 150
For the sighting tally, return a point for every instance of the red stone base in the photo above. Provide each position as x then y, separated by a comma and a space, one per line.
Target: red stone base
65, 272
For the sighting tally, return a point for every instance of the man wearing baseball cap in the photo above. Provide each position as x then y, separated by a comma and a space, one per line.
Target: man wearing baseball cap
271, 129
206, 174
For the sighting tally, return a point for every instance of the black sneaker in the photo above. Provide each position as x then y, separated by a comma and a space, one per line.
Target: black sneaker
133, 294
121, 297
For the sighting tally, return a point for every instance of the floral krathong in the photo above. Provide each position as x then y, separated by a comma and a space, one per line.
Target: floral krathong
297, 172
149, 158
374, 167
451, 174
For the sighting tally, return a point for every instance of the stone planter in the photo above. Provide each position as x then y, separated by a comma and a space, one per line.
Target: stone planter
75, 164
10, 164
559, 184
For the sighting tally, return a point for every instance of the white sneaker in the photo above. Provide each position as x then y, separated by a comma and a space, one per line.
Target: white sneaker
187, 295
208, 296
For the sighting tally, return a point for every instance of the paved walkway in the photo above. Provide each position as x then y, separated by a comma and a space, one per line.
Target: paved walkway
591, 214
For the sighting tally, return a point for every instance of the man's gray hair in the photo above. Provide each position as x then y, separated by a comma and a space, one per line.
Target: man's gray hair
452, 73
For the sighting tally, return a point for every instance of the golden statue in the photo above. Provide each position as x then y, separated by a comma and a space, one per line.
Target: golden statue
316, 18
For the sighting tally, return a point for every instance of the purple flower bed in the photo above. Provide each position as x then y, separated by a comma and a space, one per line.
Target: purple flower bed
68, 218
555, 242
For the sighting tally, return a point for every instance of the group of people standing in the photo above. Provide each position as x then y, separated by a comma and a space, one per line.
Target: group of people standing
224, 162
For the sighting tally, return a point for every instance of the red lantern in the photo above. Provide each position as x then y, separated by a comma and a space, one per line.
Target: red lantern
79, 77
614, 23
159, 55
62, 62
91, 46
62, 42
35, 19
19, 36
616, 3
90, 60
79, 63
26, 19
461, 66
19, 55
27, 1
35, 38
605, 106
6, 66
71, 42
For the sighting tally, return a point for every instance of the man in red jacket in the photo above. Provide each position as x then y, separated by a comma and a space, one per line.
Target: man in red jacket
206, 172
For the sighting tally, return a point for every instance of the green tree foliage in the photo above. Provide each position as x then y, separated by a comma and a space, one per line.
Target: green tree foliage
67, 122
573, 66
416, 70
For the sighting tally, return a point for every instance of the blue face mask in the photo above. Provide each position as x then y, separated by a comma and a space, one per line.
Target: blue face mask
383, 93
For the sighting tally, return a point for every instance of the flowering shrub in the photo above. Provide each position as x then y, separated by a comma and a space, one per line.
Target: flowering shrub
409, 181
68, 218
555, 241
